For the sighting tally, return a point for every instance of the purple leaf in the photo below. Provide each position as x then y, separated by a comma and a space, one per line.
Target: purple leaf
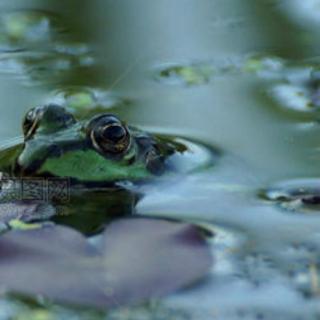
136, 259
150, 258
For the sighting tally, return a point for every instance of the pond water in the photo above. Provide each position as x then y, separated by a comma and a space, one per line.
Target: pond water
242, 76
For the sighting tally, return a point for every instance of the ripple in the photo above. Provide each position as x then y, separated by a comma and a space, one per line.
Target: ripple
195, 157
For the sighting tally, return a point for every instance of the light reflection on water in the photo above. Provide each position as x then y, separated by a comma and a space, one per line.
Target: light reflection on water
233, 111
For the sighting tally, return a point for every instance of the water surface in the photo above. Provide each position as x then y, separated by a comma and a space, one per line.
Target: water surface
204, 70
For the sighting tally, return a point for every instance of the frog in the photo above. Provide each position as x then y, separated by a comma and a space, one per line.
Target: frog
96, 151
99, 157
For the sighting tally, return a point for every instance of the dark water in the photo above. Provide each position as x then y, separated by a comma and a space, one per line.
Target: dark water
239, 75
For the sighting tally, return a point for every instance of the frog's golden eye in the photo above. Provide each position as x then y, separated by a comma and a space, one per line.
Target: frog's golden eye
109, 135
31, 122
49, 117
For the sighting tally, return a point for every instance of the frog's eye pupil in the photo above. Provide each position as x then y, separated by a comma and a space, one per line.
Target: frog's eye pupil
114, 133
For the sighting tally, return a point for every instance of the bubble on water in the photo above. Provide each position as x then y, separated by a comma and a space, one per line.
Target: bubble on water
299, 195
188, 74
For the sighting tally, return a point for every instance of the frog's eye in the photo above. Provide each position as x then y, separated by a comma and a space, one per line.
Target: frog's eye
31, 122
50, 118
109, 134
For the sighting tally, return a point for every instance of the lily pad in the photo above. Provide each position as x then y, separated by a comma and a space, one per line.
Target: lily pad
134, 260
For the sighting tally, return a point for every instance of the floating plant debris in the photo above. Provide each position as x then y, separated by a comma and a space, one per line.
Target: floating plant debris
44, 66
29, 28
293, 87
35, 46
299, 195
25, 212
267, 67
187, 74
87, 101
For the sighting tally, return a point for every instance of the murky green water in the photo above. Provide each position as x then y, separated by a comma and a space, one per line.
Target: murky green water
238, 75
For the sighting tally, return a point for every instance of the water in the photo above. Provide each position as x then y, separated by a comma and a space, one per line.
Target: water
239, 80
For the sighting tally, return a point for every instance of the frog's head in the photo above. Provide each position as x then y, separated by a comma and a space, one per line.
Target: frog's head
102, 149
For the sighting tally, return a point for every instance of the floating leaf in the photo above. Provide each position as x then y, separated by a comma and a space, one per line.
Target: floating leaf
188, 74
136, 259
